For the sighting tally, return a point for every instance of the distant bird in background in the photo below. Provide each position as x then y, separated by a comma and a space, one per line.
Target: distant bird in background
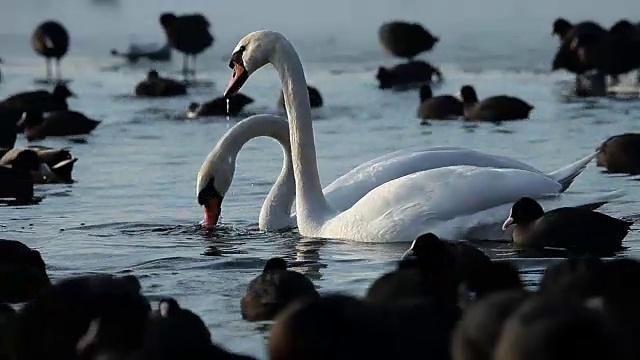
189, 34
51, 40
405, 40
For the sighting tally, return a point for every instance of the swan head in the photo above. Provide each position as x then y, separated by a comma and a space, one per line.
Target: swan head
523, 212
251, 53
213, 182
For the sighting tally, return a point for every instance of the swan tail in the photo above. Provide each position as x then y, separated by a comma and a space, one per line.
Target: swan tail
567, 174
590, 201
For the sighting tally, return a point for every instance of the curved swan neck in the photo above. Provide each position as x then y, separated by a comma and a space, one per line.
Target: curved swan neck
309, 197
252, 127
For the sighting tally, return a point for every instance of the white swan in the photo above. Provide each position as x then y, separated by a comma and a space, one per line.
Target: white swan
346, 190
449, 201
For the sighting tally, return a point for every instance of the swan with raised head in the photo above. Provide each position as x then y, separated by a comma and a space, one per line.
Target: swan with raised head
451, 202
350, 187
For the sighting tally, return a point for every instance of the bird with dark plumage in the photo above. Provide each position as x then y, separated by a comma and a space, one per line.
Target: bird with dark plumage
270, 292
315, 99
47, 165
50, 39
441, 107
408, 75
189, 34
405, 40
620, 154
156, 86
39, 100
58, 123
614, 52
494, 108
220, 106
176, 333
573, 228
565, 57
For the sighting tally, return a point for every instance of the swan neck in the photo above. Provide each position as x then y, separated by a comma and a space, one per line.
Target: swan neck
309, 197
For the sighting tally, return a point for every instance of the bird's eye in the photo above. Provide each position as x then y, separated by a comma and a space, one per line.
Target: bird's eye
242, 48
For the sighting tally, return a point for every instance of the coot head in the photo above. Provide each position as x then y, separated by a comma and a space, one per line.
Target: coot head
523, 212
425, 92
26, 160
153, 75
275, 264
167, 19
561, 27
468, 94
61, 91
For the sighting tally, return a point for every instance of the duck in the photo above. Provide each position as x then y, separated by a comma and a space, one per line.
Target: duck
273, 290
17, 184
220, 106
405, 39
620, 154
83, 315
612, 53
152, 52
473, 269
23, 275
478, 331
315, 98
565, 57
47, 165
564, 29
345, 327
39, 100
429, 269
188, 34
545, 327
174, 332
441, 107
50, 40
572, 228
57, 123
494, 108
156, 86
407, 75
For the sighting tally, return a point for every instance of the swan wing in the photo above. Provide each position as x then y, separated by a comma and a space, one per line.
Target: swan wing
448, 201
352, 186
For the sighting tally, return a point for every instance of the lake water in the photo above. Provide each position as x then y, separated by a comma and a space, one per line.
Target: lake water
134, 209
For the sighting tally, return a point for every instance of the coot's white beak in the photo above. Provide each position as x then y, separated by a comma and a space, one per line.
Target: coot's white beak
507, 223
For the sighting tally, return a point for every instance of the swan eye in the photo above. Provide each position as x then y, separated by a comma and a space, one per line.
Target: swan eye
242, 48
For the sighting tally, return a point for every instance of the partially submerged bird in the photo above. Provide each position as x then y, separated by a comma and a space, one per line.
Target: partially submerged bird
145, 51
270, 292
494, 108
571, 228
219, 106
620, 154
408, 75
39, 100
404, 39
58, 123
441, 107
315, 99
156, 86
47, 165
50, 39
189, 34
